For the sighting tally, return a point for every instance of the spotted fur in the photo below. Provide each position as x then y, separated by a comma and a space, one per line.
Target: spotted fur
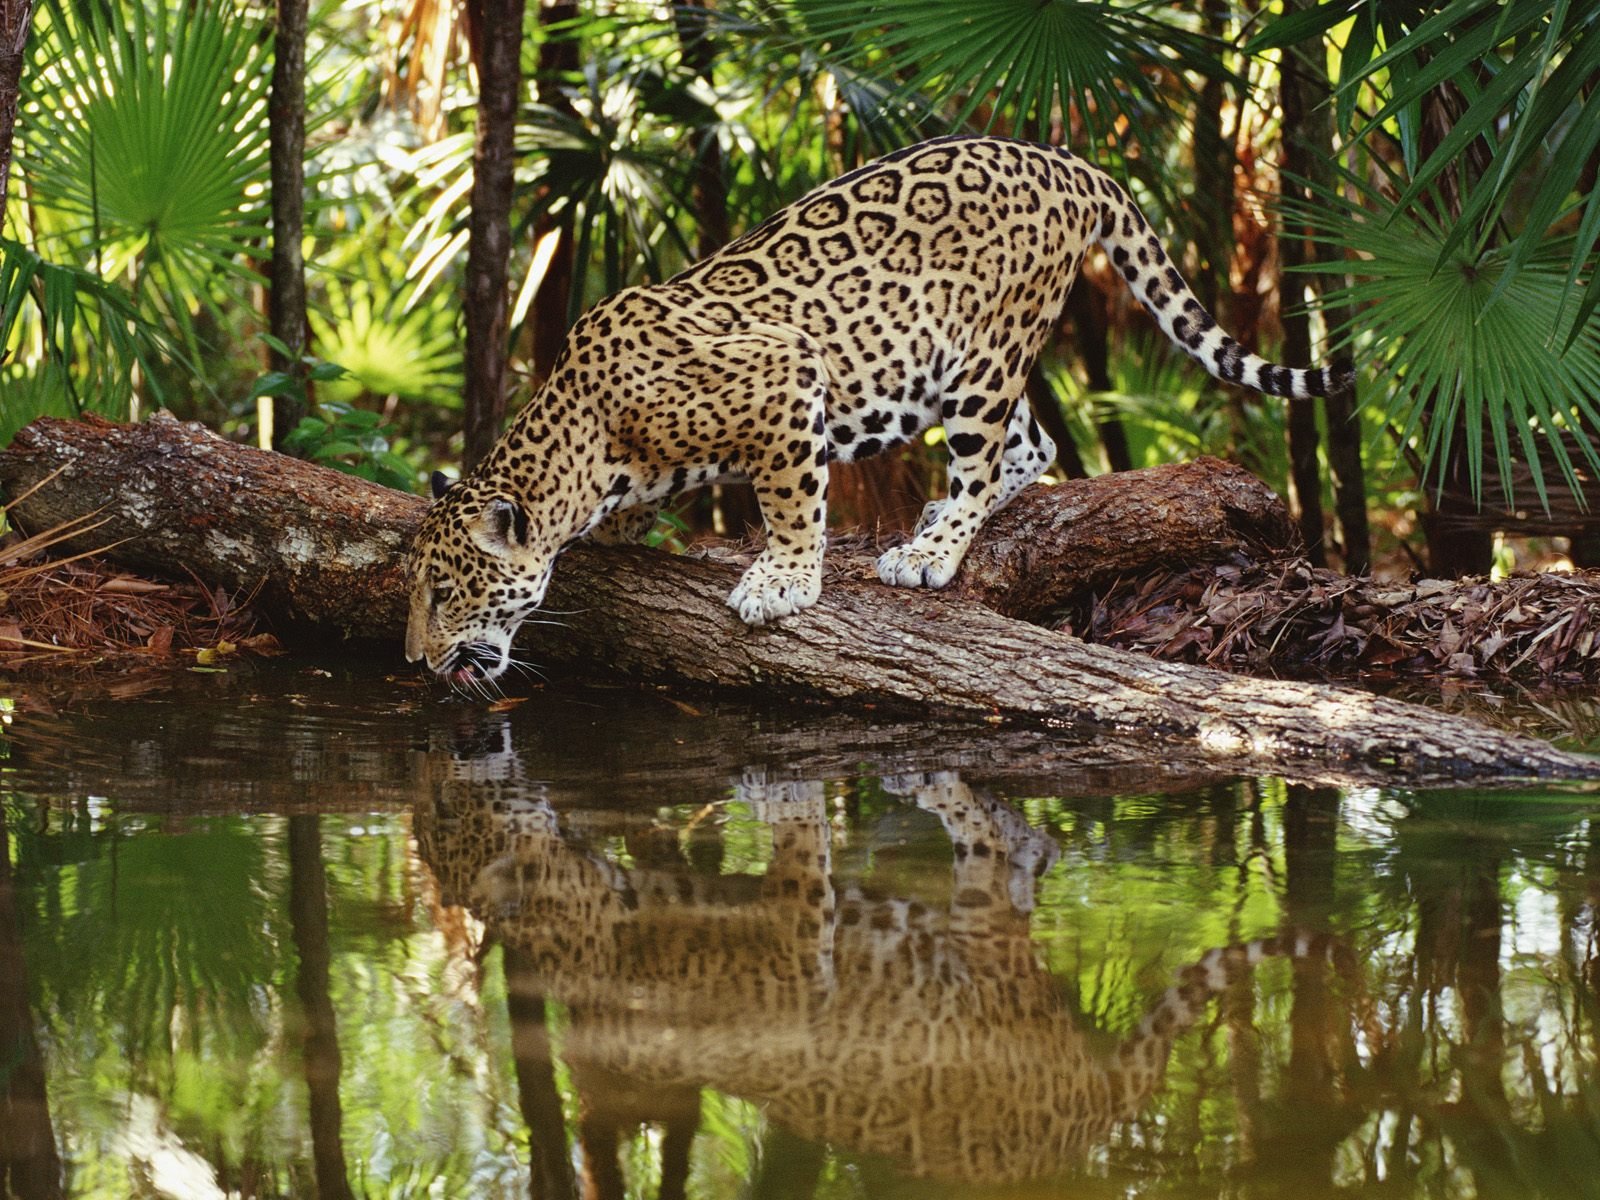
912, 292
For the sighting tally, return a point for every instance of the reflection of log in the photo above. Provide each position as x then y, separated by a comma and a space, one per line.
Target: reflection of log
324, 549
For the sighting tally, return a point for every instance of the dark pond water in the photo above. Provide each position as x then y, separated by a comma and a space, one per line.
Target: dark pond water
277, 933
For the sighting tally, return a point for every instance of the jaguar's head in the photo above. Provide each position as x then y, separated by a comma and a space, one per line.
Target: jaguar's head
477, 569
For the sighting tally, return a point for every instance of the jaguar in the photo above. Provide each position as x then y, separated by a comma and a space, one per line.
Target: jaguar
914, 291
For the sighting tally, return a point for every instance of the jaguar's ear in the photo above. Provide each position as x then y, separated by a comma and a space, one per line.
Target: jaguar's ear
508, 522
439, 483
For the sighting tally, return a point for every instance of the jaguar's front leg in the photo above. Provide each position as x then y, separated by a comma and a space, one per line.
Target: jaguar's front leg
788, 467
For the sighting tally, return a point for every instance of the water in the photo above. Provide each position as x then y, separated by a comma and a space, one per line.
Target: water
282, 933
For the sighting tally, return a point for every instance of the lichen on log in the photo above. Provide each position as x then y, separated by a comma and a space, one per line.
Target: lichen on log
323, 549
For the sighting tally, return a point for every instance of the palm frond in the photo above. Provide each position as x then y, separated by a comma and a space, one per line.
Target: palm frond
1017, 61
1474, 354
144, 131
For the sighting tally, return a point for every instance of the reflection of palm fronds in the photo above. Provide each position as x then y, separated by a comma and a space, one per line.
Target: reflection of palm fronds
162, 938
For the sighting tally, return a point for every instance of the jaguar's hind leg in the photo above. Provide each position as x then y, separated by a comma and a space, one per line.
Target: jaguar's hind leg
986, 471
1028, 454
625, 527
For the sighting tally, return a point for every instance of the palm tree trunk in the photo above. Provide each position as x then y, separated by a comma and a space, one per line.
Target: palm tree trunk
286, 304
494, 29
1297, 97
15, 17
558, 57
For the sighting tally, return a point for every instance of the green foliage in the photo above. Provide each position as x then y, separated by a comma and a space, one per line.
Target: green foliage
350, 440
145, 142
1476, 254
1012, 61
90, 338
387, 345
1471, 342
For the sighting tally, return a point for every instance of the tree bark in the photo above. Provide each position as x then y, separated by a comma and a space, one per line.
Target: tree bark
1296, 97
496, 31
324, 548
15, 18
286, 304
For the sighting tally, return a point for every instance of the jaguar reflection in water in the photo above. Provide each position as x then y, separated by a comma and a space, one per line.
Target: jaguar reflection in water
885, 1026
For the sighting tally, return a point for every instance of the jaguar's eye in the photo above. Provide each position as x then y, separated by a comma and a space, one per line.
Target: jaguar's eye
440, 592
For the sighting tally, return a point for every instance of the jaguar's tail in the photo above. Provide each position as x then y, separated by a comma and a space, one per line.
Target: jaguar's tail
1141, 1060
1137, 252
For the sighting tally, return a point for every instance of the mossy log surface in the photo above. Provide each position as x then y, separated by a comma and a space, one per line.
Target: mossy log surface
321, 549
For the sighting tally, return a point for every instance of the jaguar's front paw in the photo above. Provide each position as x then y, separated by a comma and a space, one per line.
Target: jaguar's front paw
768, 590
912, 565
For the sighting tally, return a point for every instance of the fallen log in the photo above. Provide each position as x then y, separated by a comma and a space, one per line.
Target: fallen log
322, 549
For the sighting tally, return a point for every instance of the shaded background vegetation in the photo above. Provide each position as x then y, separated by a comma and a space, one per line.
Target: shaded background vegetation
1436, 161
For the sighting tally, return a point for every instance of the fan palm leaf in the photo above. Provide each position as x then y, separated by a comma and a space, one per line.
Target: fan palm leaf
144, 135
1472, 347
1017, 61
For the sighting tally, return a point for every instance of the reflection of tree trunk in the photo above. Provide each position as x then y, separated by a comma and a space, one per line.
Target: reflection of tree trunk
1309, 833
287, 126
600, 1136
550, 1168
677, 1136
495, 31
789, 1167
29, 1167
308, 920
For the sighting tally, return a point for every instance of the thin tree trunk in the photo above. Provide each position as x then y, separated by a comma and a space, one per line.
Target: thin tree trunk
286, 305
495, 27
731, 507
308, 920
1298, 96
692, 20
1047, 411
1213, 178
29, 1166
15, 18
553, 300
1089, 335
